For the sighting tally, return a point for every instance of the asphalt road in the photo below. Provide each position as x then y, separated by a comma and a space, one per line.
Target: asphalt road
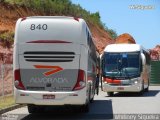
103, 107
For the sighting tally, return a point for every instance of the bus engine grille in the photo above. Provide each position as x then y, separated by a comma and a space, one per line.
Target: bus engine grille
49, 56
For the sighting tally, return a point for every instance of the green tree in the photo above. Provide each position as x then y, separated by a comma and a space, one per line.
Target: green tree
63, 7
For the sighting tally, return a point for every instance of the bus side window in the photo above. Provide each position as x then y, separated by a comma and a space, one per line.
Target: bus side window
141, 66
89, 40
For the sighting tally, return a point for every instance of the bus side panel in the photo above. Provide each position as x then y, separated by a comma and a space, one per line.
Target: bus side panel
83, 65
15, 47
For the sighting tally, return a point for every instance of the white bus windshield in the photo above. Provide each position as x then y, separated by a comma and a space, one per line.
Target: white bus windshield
121, 65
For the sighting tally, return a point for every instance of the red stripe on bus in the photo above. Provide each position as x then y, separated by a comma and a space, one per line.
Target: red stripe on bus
53, 69
48, 41
115, 81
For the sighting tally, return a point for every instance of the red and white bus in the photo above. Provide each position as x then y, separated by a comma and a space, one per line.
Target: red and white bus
54, 62
125, 68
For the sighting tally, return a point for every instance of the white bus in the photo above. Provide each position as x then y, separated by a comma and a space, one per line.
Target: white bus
54, 62
125, 68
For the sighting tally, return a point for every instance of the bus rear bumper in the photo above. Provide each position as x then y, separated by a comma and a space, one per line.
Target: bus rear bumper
58, 98
121, 88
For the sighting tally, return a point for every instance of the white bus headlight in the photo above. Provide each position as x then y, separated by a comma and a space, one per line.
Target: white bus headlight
105, 82
136, 82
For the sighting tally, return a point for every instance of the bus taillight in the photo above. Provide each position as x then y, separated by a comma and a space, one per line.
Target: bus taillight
17, 80
81, 80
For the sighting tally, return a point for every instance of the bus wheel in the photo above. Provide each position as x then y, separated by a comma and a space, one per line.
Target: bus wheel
35, 109
90, 97
32, 109
147, 89
142, 91
110, 93
85, 108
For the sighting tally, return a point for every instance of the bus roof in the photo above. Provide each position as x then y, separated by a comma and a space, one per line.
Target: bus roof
123, 48
52, 17
69, 29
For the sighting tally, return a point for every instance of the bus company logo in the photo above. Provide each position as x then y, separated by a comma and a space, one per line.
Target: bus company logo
52, 69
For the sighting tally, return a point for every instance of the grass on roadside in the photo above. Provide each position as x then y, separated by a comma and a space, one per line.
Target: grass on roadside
6, 101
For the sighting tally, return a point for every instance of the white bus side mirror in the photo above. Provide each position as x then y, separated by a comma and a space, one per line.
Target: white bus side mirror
143, 59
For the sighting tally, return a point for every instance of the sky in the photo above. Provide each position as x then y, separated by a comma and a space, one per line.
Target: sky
139, 18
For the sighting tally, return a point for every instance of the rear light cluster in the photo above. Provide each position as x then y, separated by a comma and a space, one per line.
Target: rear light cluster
81, 80
17, 80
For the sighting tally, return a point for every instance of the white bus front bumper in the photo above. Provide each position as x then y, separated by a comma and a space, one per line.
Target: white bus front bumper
121, 88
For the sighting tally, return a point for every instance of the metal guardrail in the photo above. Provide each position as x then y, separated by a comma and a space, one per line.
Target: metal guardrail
6, 80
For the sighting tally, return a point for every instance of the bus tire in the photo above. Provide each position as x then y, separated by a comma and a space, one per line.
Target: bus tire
142, 91
35, 109
32, 109
110, 93
85, 108
147, 89
90, 99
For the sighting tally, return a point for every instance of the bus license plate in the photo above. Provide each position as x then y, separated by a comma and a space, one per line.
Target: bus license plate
120, 88
48, 96
125, 82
